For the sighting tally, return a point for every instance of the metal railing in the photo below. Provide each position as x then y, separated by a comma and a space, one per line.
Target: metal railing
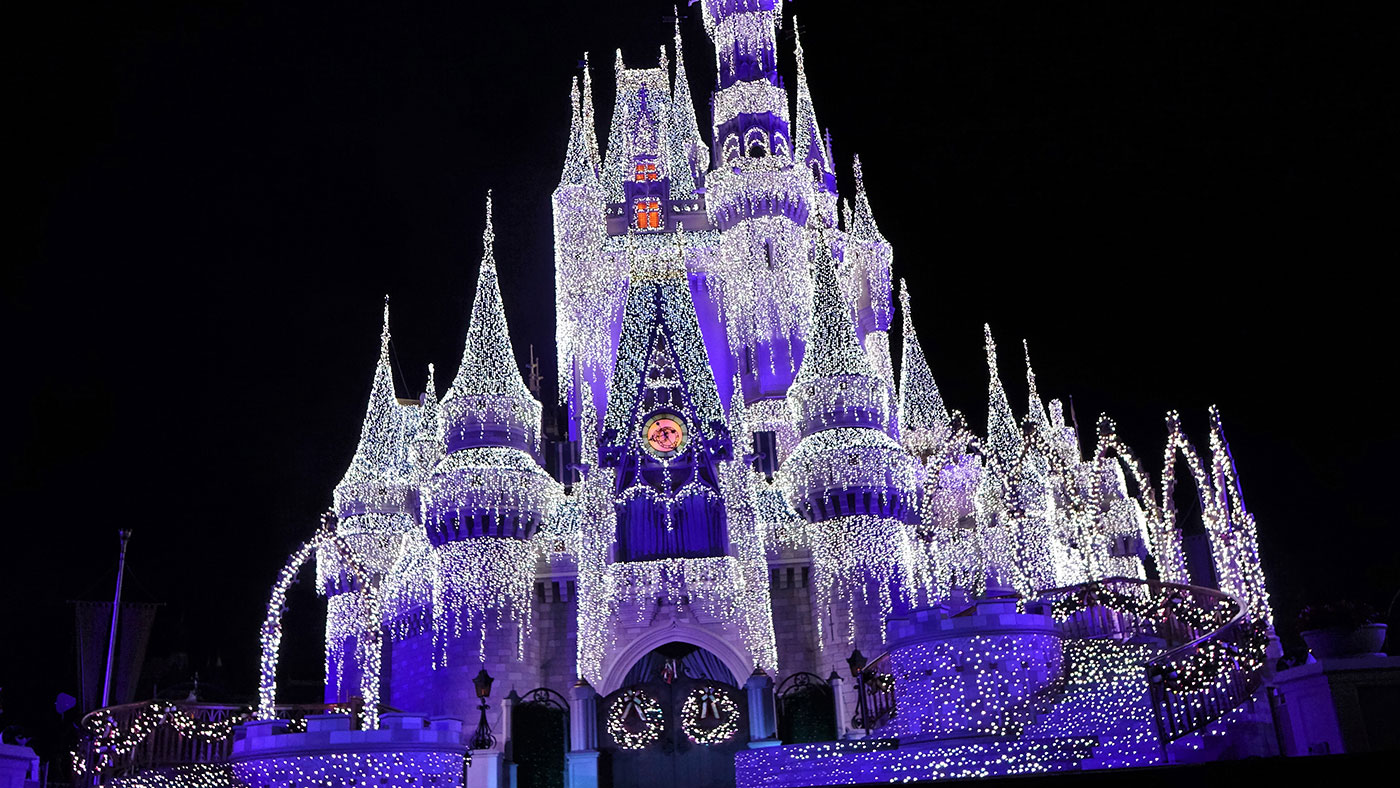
1214, 658
137, 737
875, 702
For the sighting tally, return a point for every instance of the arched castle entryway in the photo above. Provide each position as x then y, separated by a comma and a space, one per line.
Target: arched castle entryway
617, 664
674, 715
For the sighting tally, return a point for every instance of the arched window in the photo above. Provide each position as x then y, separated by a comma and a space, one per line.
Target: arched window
756, 142
731, 147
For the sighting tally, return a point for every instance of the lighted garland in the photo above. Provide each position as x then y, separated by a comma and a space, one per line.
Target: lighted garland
709, 703
634, 703
113, 741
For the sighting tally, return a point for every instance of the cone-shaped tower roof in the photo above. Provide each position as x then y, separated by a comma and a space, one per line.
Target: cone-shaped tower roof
808, 146
578, 161
427, 441
832, 347
836, 384
861, 222
921, 406
685, 143
378, 456
1003, 430
1037, 414
590, 123
488, 361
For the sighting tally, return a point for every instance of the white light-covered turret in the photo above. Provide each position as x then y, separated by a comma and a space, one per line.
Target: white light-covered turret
376, 500
491, 482
846, 463
376, 505
585, 293
852, 483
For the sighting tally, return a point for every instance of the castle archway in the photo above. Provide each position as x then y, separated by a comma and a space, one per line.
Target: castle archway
618, 664
678, 716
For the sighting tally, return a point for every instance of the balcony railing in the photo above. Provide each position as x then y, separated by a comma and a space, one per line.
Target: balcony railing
138, 737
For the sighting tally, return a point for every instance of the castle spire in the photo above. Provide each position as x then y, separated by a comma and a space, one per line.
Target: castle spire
809, 149
832, 347
578, 162
488, 360
590, 124
861, 224
1003, 431
377, 457
1035, 403
686, 151
921, 407
427, 442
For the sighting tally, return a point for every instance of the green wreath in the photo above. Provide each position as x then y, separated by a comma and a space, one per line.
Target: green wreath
709, 703
648, 712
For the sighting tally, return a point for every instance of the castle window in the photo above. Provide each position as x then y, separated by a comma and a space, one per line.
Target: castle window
645, 171
649, 214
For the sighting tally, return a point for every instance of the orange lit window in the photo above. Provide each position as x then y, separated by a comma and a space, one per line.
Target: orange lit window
645, 172
649, 214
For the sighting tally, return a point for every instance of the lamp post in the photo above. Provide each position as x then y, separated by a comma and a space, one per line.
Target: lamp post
482, 739
857, 664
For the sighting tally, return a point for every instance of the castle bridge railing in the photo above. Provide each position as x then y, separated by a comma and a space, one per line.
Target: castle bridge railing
1213, 657
1211, 662
135, 738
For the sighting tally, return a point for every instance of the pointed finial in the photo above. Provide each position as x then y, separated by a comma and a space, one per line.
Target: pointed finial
797, 43
488, 236
663, 63
617, 63
384, 331
991, 347
904, 307
431, 392
1030, 373
860, 177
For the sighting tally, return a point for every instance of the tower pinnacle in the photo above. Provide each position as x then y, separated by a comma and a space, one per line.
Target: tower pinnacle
578, 162
923, 418
1003, 430
488, 360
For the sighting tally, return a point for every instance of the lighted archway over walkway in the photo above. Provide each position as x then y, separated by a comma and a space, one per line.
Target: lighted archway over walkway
619, 663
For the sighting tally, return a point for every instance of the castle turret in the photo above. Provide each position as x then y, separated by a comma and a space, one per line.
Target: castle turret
491, 482
750, 104
375, 506
587, 283
867, 267
376, 500
488, 496
636, 168
1003, 456
847, 477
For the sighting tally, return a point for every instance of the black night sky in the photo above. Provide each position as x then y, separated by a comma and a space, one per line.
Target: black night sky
1177, 206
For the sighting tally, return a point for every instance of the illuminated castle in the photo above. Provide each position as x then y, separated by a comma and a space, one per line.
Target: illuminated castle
748, 499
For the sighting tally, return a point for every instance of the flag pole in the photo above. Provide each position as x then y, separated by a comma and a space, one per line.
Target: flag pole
125, 534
